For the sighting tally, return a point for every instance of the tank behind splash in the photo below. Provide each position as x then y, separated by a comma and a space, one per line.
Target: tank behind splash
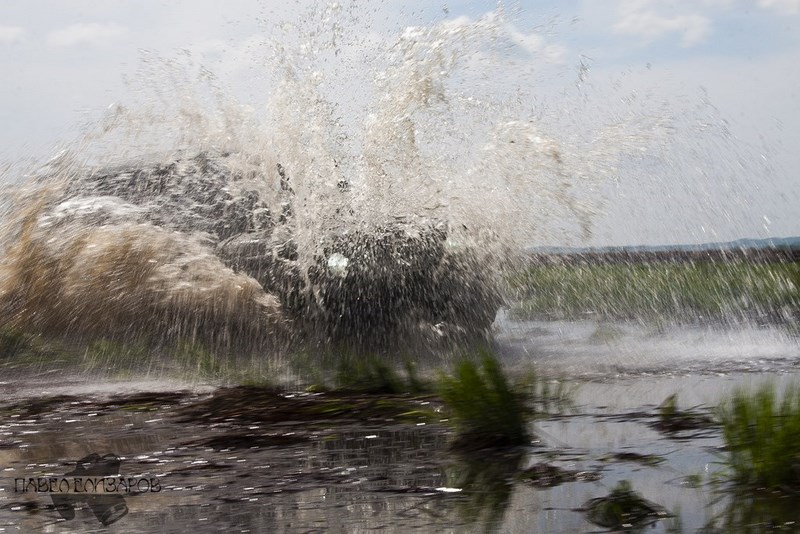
391, 224
112, 249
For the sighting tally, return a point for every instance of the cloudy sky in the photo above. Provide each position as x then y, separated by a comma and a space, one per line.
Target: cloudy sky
727, 71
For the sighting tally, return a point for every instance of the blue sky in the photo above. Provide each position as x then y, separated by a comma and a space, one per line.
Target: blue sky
732, 63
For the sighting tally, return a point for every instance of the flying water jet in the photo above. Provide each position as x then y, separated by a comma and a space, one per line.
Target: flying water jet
246, 234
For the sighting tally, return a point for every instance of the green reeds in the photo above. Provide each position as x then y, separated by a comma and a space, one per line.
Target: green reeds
485, 409
731, 289
359, 372
762, 434
12, 342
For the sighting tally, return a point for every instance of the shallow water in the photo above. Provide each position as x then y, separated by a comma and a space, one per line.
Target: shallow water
393, 476
596, 348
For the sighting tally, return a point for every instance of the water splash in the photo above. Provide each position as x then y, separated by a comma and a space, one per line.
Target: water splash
189, 215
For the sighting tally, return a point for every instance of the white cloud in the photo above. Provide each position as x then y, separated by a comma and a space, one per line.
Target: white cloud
535, 45
791, 7
91, 34
640, 17
11, 34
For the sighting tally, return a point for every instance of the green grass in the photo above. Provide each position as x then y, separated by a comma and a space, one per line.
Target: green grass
374, 374
342, 369
113, 356
189, 359
704, 289
12, 342
195, 358
21, 351
485, 409
761, 430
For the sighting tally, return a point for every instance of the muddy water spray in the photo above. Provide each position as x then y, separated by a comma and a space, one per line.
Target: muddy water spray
190, 216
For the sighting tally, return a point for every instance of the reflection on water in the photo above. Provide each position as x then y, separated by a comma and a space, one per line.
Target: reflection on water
487, 483
758, 512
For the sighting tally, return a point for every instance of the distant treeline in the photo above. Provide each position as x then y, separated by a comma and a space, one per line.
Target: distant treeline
756, 255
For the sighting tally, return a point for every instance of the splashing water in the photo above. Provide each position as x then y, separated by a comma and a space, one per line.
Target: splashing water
374, 200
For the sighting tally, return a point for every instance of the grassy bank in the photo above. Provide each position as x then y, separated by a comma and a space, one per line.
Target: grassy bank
672, 290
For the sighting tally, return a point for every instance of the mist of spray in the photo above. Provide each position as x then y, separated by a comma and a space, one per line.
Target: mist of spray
399, 151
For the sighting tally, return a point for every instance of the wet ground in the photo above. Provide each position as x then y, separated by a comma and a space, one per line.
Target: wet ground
251, 459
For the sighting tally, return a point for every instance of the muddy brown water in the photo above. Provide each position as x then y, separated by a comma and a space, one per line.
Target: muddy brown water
355, 468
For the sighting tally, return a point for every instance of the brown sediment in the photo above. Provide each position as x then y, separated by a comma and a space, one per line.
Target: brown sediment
129, 281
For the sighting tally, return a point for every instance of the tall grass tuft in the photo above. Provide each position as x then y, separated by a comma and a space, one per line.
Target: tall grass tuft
485, 409
762, 434
368, 374
343, 369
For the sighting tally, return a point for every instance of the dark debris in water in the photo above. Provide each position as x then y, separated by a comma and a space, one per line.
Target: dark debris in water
691, 423
651, 460
249, 440
146, 401
674, 421
29, 506
545, 475
33, 407
697, 423
624, 508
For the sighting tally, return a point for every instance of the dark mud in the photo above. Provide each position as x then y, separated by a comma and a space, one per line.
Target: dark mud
241, 458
